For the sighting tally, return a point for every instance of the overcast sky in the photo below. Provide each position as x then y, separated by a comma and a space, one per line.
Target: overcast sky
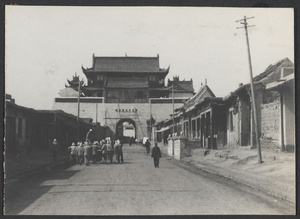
46, 45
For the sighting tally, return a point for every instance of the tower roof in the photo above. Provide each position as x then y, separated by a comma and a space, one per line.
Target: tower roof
126, 64
184, 86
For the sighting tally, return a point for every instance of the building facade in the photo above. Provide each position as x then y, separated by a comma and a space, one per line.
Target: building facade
228, 122
119, 91
28, 129
285, 86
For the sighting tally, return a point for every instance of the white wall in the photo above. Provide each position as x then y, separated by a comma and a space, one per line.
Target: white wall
289, 118
129, 132
160, 111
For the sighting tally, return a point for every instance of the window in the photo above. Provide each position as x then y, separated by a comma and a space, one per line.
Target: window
151, 78
198, 127
140, 94
27, 129
193, 129
20, 127
100, 77
230, 121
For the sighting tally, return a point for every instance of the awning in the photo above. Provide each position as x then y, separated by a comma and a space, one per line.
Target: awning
164, 129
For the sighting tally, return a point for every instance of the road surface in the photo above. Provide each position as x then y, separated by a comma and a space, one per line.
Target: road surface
136, 188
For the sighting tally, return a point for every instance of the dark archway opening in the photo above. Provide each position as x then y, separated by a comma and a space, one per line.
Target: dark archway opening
126, 130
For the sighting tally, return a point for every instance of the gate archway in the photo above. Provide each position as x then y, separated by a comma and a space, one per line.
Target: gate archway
125, 129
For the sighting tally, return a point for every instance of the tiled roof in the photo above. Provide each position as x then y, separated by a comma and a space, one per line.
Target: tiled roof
282, 82
68, 92
203, 92
8, 103
126, 64
273, 72
185, 85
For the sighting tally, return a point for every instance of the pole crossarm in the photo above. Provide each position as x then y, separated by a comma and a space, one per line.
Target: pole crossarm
244, 19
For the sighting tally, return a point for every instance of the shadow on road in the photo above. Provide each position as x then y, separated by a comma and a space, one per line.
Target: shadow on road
21, 190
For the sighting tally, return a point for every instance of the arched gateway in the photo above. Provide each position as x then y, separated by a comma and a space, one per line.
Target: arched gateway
125, 129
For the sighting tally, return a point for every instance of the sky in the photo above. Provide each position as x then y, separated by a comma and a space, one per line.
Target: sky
46, 45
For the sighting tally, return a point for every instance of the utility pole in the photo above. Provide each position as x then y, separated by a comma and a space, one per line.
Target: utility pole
173, 118
78, 113
244, 22
96, 112
150, 137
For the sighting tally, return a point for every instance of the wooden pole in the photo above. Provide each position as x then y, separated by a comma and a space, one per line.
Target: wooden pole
96, 112
173, 118
281, 122
78, 113
150, 134
252, 94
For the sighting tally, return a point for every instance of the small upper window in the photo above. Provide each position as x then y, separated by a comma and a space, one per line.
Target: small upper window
100, 77
151, 78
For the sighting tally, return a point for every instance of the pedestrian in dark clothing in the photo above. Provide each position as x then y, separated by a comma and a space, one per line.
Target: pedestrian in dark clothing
165, 140
55, 148
119, 151
156, 155
147, 145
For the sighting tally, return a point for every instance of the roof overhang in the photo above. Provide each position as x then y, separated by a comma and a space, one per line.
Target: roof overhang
277, 85
164, 128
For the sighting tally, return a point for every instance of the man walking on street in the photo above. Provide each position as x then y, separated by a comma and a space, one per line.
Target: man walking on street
156, 155
80, 153
94, 151
110, 150
118, 150
76, 150
86, 150
147, 145
99, 151
72, 149
55, 148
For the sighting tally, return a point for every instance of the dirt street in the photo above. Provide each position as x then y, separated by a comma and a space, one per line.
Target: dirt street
136, 188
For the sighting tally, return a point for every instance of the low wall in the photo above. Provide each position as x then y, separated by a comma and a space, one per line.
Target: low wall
180, 148
193, 144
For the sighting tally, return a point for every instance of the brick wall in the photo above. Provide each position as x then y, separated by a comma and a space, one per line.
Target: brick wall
270, 121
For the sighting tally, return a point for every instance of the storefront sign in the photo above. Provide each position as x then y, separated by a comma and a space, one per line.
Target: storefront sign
126, 110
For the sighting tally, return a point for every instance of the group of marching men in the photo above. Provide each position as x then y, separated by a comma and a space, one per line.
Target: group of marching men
96, 151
